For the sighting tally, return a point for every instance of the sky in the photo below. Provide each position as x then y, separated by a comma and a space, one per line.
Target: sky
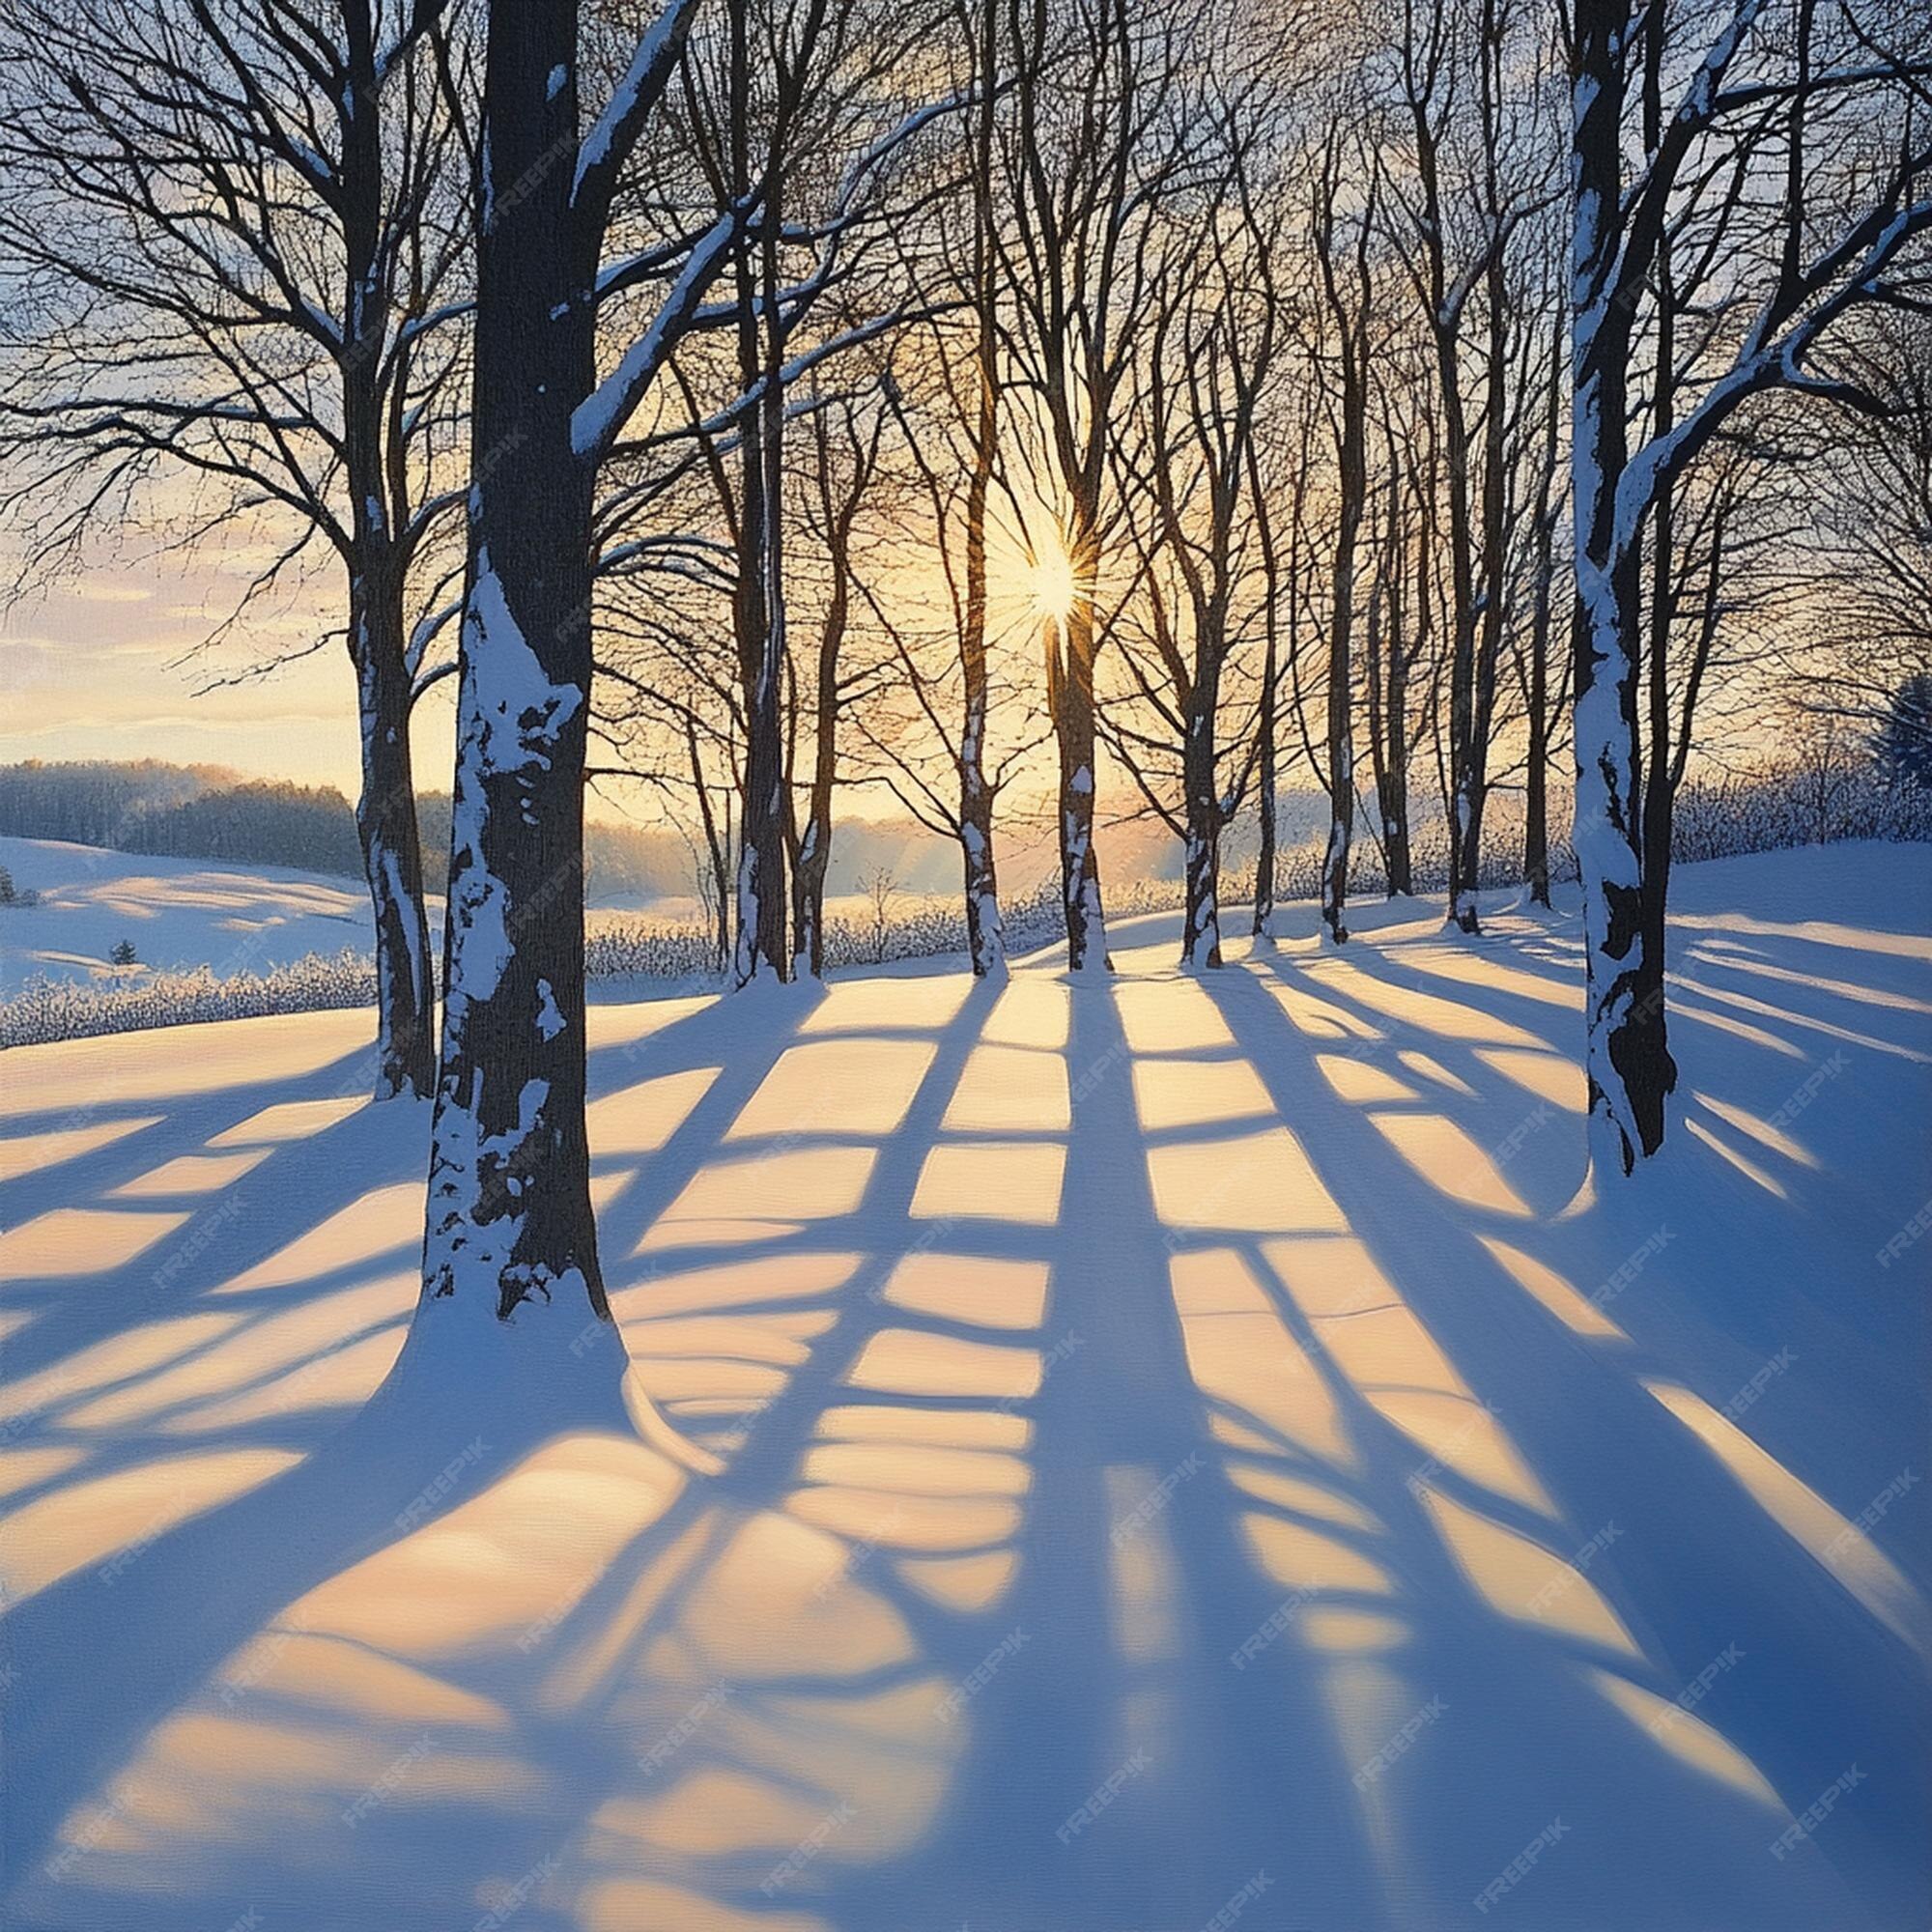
109, 664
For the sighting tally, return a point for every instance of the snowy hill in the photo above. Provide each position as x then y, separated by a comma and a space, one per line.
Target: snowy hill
1191, 1446
174, 912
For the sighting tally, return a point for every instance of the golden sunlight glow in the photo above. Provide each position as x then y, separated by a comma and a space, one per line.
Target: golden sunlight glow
1051, 586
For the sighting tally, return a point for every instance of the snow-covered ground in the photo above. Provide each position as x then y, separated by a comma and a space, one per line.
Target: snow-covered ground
174, 912
1197, 1451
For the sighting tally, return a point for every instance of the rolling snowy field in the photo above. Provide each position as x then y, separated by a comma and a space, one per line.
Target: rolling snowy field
1195, 1450
174, 912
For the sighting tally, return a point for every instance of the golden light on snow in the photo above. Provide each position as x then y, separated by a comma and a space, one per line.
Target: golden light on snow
929, 1001
1262, 1181
190, 1173
1841, 1547
783, 1190
70, 1242
971, 1287
113, 1519
858, 1086
1522, 1579
1450, 1159
23, 1154
380, 1223
1196, 1092
1446, 1019
290, 1120
1549, 1076
1360, 1082
991, 1180
1242, 1356
1684, 1735
639, 1118
1396, 1365
1573, 1310
1011, 1089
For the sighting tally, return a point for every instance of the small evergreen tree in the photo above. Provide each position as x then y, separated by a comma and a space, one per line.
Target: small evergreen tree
1903, 741
123, 954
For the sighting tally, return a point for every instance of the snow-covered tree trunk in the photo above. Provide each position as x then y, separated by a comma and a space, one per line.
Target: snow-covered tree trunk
385, 825
1073, 728
509, 1198
1473, 783
760, 609
986, 932
1630, 1068
1540, 701
1536, 779
1341, 830
1384, 682
1200, 926
985, 929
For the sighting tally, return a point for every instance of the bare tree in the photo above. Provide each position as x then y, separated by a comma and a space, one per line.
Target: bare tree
1480, 163
1093, 144
239, 226
1188, 457
845, 456
1866, 577
1347, 296
1739, 160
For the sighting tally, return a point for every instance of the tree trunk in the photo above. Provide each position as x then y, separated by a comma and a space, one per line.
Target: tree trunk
1536, 789
986, 932
1201, 929
808, 891
1352, 464
1267, 780
509, 1196
1630, 1070
1392, 799
815, 846
1341, 781
1444, 327
759, 607
391, 842
1073, 728
1472, 790
1536, 780
385, 811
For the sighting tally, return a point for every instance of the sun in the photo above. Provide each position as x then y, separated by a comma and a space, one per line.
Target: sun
1050, 583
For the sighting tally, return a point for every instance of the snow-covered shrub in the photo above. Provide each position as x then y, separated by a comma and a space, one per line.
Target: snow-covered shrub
48, 1010
623, 946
